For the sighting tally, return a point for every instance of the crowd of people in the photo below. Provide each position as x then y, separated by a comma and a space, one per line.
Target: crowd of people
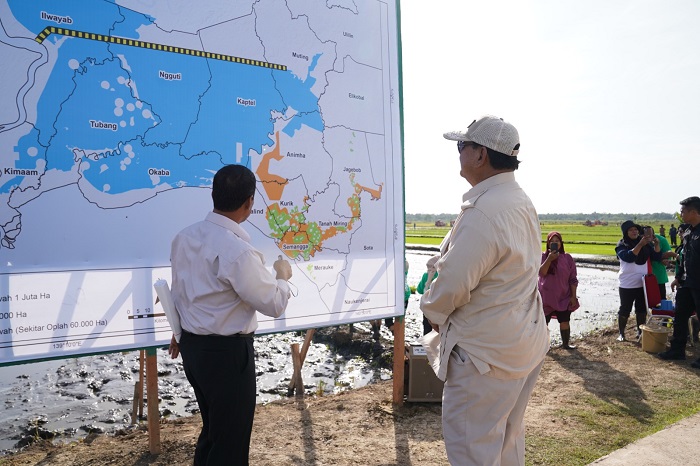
641, 252
644, 259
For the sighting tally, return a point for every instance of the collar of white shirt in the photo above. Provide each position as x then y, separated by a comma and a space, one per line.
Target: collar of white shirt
489, 182
225, 222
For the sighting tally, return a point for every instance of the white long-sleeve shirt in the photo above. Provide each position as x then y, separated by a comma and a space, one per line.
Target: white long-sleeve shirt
485, 296
220, 279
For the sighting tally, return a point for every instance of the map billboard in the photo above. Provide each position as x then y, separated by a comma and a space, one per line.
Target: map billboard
114, 117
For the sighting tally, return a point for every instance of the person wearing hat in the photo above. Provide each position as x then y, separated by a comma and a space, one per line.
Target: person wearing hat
687, 281
485, 305
633, 251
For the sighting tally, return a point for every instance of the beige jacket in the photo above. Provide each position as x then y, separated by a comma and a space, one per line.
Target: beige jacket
485, 297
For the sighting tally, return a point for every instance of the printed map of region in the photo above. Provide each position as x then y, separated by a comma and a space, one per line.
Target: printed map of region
115, 115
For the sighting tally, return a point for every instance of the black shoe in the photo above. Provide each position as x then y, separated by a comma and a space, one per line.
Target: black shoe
673, 355
695, 364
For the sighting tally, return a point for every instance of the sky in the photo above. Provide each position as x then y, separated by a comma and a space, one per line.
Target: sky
605, 96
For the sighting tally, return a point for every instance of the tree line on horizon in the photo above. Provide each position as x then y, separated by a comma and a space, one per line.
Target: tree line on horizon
580, 217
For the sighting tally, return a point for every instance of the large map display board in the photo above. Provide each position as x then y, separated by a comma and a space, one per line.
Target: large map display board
114, 117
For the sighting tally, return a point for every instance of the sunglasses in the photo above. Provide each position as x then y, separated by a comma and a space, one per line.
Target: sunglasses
462, 144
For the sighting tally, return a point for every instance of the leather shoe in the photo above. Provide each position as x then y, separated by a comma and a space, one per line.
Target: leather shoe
673, 355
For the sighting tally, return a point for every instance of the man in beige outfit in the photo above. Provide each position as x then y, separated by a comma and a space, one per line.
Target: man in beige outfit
485, 303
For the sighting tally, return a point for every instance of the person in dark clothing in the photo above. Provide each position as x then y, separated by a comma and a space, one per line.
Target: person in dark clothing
694, 327
687, 280
673, 233
634, 250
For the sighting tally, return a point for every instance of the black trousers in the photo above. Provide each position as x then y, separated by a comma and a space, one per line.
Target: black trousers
687, 302
221, 371
562, 316
630, 296
662, 290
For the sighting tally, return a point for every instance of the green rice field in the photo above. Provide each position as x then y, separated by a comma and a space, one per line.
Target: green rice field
578, 238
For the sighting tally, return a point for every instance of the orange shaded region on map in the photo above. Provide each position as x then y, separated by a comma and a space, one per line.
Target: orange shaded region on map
331, 232
375, 193
292, 230
298, 238
301, 239
273, 184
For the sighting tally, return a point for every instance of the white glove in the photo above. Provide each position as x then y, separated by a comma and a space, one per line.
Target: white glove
283, 269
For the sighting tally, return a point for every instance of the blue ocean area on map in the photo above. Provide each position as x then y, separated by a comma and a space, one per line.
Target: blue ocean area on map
297, 94
61, 85
175, 103
113, 103
74, 121
224, 121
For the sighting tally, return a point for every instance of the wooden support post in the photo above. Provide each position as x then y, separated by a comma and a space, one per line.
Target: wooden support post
135, 405
296, 376
152, 391
399, 355
296, 383
142, 361
307, 342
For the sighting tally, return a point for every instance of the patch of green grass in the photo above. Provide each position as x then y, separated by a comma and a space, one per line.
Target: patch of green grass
599, 240
423, 240
596, 427
596, 249
572, 248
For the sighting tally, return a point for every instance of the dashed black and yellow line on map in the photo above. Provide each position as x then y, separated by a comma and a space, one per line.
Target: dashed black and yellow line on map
152, 46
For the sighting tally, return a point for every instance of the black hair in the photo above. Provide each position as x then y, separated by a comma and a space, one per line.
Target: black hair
692, 202
233, 185
501, 161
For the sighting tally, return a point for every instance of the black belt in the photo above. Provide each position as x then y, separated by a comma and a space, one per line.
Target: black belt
235, 335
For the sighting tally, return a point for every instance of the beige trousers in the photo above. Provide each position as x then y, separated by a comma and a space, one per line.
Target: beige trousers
482, 417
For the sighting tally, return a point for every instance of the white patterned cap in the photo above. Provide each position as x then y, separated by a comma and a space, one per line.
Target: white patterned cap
492, 132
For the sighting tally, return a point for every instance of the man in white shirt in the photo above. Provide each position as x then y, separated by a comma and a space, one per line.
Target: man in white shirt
485, 303
219, 282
